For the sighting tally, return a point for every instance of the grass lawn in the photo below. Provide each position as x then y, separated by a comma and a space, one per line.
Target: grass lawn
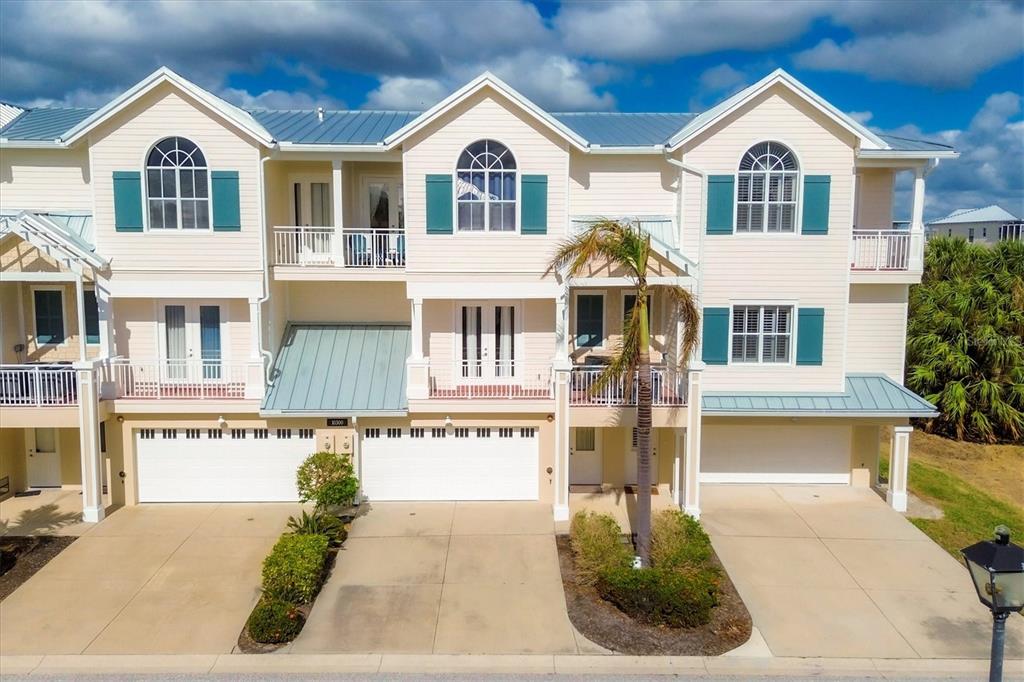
977, 487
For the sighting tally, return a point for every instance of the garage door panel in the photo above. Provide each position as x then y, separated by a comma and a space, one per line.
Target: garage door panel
775, 454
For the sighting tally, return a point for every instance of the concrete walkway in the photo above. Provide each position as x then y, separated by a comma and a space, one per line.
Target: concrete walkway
833, 571
152, 579
444, 577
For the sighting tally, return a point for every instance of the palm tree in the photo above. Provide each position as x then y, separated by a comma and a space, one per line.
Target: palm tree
626, 248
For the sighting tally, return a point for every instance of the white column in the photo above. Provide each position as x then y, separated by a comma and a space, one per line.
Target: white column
917, 213
89, 439
417, 329
106, 315
560, 477
677, 468
417, 366
80, 303
337, 210
561, 360
899, 459
254, 329
691, 463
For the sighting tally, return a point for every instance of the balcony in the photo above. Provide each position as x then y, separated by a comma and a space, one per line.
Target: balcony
184, 380
52, 385
887, 253
367, 250
668, 389
486, 380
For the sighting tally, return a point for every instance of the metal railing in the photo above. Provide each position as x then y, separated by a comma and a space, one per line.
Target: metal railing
493, 379
668, 389
185, 379
886, 250
38, 385
366, 248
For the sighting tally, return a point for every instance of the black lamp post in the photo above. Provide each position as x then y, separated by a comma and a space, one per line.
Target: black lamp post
997, 569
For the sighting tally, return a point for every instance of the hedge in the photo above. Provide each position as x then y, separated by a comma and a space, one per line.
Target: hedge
678, 542
274, 621
659, 596
597, 545
293, 570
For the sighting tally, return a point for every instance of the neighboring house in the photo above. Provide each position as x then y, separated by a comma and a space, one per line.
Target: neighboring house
988, 225
165, 254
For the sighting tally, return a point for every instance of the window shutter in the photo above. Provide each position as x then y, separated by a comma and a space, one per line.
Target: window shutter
810, 330
128, 201
226, 214
816, 198
715, 339
721, 200
535, 204
439, 204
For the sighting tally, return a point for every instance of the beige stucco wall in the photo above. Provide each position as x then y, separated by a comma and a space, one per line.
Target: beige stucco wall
28, 178
877, 329
874, 199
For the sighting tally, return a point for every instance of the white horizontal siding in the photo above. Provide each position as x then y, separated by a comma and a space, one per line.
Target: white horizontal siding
877, 329
622, 185
45, 180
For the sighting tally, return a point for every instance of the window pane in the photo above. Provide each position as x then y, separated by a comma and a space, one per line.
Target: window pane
757, 187
188, 214
187, 185
49, 314
589, 320
92, 317
201, 187
756, 217
153, 183
585, 438
503, 217
169, 184
743, 188
203, 215
170, 215
156, 214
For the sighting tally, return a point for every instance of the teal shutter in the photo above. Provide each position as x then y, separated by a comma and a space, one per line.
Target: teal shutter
816, 198
128, 201
715, 339
589, 320
439, 204
226, 214
535, 204
721, 199
810, 329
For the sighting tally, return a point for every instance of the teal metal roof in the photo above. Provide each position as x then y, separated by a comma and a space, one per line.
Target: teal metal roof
46, 124
904, 144
338, 127
77, 227
347, 369
866, 395
617, 129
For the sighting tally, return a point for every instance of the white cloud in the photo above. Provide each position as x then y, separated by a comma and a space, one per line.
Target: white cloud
716, 84
414, 94
279, 99
861, 117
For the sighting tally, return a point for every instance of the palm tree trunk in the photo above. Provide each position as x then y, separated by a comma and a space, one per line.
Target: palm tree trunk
643, 435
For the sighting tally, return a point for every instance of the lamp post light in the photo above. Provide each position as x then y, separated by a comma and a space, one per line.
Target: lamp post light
997, 569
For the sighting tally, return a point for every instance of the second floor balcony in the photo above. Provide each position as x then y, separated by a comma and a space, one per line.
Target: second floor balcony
491, 380
668, 389
353, 249
886, 252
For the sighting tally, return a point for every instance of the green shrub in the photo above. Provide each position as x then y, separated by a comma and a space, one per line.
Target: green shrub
293, 570
658, 596
327, 479
596, 542
319, 523
274, 621
678, 542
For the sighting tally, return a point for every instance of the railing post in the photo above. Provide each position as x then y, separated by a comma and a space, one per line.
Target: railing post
37, 390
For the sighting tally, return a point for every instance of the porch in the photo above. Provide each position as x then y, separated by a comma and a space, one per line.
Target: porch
358, 248
887, 251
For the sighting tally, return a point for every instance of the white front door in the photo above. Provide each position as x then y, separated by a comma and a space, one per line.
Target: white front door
631, 459
585, 457
191, 341
488, 342
43, 458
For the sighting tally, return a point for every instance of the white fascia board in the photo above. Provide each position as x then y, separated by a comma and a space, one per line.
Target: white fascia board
716, 113
331, 148
486, 79
888, 154
231, 113
31, 144
640, 149
186, 287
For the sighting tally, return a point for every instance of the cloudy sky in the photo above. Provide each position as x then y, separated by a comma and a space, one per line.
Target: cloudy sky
947, 71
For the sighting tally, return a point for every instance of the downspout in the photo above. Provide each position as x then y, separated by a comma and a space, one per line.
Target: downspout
266, 354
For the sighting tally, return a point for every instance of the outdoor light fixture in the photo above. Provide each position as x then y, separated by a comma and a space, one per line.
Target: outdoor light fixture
222, 422
447, 422
997, 569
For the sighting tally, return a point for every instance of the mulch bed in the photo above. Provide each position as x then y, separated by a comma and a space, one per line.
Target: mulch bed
23, 556
603, 623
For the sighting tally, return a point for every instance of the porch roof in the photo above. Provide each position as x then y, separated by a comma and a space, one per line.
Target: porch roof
340, 369
866, 395
64, 236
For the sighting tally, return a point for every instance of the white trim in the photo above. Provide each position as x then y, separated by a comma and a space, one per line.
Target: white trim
63, 313
185, 287
797, 193
761, 304
487, 202
819, 478
574, 318
146, 227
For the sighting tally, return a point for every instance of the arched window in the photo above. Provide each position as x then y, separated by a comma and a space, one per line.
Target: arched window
485, 188
177, 186
766, 189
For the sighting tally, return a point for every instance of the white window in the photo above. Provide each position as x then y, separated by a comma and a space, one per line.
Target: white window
766, 189
762, 333
177, 186
485, 188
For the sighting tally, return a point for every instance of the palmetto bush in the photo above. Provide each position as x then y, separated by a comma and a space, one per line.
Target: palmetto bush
965, 339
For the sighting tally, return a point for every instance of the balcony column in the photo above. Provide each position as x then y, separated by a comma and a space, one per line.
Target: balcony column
89, 440
254, 329
337, 211
899, 459
417, 366
80, 304
691, 463
917, 212
106, 316
561, 359
560, 474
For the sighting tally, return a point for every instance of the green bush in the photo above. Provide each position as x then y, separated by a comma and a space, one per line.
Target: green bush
293, 570
658, 596
274, 621
319, 523
327, 479
678, 542
596, 542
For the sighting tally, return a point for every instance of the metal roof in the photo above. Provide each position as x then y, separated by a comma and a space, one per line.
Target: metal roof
614, 129
905, 144
45, 124
340, 369
338, 127
987, 214
76, 227
866, 395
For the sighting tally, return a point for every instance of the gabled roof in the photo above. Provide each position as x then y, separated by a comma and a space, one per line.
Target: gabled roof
65, 237
337, 127
44, 125
866, 395
986, 214
615, 129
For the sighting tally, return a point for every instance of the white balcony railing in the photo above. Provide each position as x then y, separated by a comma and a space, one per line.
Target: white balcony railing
38, 386
492, 379
886, 250
185, 380
668, 388
365, 248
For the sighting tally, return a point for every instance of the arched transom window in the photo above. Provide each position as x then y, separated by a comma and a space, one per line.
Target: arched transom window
177, 186
485, 188
766, 189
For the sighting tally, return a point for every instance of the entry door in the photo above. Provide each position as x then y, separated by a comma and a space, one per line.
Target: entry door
488, 338
585, 458
383, 203
191, 341
631, 464
42, 458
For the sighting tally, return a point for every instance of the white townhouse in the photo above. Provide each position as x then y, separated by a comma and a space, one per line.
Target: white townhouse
987, 225
194, 296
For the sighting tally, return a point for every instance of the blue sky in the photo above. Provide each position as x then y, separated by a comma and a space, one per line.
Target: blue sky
948, 71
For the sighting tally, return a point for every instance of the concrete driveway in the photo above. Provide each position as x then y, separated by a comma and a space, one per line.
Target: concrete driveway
152, 579
443, 577
833, 572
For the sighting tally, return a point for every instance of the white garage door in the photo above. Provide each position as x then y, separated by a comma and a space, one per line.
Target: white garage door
775, 454
220, 465
489, 463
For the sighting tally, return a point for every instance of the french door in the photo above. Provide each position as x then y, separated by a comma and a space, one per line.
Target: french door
191, 341
488, 341
383, 203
